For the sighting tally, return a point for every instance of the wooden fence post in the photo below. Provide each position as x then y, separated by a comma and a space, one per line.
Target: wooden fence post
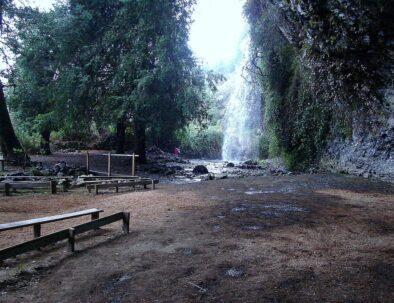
133, 165
126, 222
71, 240
133, 156
109, 164
87, 163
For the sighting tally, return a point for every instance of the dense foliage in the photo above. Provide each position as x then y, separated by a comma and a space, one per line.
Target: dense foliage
94, 66
320, 63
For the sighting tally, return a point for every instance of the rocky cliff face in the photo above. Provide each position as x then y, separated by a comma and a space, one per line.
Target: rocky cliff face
369, 152
348, 46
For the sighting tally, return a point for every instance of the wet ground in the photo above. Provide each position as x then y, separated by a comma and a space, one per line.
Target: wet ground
298, 238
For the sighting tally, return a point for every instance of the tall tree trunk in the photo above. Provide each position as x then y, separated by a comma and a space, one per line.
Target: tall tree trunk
45, 142
9, 143
140, 135
120, 137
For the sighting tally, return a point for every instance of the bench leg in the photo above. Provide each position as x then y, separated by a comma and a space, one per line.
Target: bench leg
89, 190
95, 216
126, 222
96, 188
7, 189
117, 189
153, 184
53, 185
2, 166
71, 240
37, 230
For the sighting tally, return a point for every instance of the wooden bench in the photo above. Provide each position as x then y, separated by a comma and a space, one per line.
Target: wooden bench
64, 234
36, 223
116, 185
52, 185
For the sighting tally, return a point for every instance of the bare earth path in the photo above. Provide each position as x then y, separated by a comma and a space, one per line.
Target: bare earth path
305, 238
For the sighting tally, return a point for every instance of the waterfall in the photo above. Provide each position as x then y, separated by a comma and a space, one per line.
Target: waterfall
243, 116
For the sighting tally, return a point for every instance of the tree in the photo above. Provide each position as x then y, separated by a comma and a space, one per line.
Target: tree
9, 143
112, 64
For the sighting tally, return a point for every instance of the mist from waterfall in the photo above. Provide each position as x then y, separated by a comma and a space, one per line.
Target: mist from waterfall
243, 116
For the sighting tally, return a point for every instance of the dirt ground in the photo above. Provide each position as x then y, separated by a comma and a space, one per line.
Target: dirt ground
301, 238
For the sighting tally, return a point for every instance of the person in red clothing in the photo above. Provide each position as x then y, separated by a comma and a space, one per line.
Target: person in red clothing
177, 151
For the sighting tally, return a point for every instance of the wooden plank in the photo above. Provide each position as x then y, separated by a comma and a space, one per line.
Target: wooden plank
36, 177
25, 223
118, 155
110, 181
33, 244
107, 177
125, 184
28, 184
79, 229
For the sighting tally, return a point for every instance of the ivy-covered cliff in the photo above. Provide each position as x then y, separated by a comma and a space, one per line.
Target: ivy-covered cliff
327, 72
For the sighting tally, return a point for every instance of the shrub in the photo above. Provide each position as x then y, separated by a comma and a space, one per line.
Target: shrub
201, 142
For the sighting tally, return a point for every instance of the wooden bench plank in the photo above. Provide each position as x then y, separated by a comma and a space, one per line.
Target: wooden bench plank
97, 223
26, 223
29, 184
124, 184
107, 177
37, 177
33, 244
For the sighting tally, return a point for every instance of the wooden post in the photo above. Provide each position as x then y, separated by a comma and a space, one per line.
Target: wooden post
109, 164
37, 230
7, 189
87, 163
71, 240
133, 156
126, 222
53, 185
95, 216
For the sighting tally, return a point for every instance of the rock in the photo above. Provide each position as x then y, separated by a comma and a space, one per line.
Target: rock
200, 170
230, 164
251, 162
154, 150
176, 167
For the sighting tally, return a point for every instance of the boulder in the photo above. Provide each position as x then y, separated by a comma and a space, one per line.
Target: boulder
230, 164
200, 170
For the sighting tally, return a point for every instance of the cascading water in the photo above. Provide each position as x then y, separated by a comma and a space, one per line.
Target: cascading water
243, 117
